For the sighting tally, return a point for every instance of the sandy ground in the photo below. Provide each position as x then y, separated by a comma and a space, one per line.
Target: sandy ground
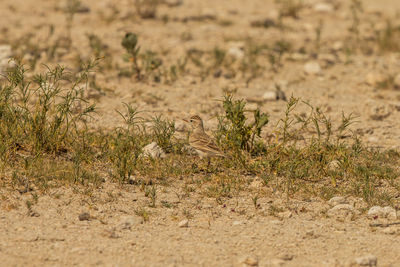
229, 234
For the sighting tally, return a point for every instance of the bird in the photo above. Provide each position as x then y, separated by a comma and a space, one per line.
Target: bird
200, 141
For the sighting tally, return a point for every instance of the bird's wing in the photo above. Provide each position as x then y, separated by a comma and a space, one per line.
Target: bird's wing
204, 143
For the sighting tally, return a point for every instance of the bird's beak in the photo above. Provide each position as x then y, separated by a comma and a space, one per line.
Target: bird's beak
186, 120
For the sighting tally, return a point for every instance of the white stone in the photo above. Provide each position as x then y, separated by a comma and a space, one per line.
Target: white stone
367, 260
183, 223
236, 52
386, 212
333, 165
324, 7
337, 200
312, 68
270, 96
153, 150
341, 209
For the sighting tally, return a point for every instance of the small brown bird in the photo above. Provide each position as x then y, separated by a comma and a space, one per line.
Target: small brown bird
200, 141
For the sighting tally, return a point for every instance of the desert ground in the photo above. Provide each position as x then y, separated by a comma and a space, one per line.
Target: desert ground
340, 57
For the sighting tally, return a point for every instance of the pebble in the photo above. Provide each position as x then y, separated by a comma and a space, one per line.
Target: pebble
341, 209
324, 7
333, 165
84, 216
327, 58
367, 260
236, 52
298, 57
382, 212
285, 214
389, 231
153, 150
126, 222
374, 78
249, 261
378, 111
338, 45
274, 95
337, 201
286, 257
183, 223
237, 223
257, 183
312, 68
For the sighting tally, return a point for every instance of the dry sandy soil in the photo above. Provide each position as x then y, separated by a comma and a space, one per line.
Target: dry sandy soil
299, 233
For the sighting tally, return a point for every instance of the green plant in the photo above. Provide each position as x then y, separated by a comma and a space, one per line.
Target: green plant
41, 114
151, 193
163, 131
130, 43
126, 144
234, 132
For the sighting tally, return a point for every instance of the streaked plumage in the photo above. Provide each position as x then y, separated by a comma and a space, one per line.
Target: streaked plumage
200, 141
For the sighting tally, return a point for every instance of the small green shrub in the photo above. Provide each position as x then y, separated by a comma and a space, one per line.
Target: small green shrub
234, 131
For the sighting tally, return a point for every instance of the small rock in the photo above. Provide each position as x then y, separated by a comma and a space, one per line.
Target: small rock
327, 58
285, 214
153, 150
312, 68
389, 231
183, 223
126, 222
338, 45
257, 183
274, 95
84, 216
286, 257
250, 261
374, 78
337, 200
298, 57
334, 165
367, 260
341, 209
236, 52
236, 223
270, 96
386, 212
378, 111
276, 222
324, 7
